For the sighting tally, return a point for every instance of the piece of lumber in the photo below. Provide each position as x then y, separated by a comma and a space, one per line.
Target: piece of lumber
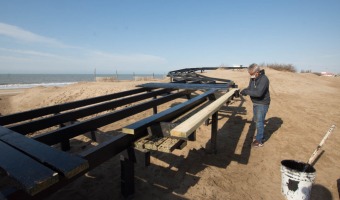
28, 174
170, 144
154, 143
184, 129
139, 144
66, 164
168, 114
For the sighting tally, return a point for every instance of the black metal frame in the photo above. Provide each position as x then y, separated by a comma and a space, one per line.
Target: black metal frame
18, 117
62, 114
189, 74
29, 127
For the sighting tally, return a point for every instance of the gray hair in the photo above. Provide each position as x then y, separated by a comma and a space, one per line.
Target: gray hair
253, 68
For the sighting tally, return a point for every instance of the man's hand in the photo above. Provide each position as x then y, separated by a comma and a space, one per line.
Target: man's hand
244, 92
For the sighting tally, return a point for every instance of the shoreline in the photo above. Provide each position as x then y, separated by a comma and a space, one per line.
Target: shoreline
11, 92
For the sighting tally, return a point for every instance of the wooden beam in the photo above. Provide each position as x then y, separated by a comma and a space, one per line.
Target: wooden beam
190, 125
168, 114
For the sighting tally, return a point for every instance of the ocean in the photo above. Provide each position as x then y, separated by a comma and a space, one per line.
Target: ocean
19, 81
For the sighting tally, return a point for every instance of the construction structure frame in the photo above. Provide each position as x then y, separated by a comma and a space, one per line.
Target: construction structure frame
35, 168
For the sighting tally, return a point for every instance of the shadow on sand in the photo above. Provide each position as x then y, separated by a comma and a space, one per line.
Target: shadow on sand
320, 192
182, 172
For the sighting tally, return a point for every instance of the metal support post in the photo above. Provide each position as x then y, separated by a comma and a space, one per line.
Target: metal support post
192, 137
65, 145
206, 122
155, 107
93, 136
127, 177
214, 132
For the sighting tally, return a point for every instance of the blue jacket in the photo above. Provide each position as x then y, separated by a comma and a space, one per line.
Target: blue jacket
258, 89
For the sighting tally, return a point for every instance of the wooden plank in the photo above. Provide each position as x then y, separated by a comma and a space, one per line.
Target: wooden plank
170, 144
139, 144
154, 143
150, 145
162, 144
28, 174
168, 114
190, 125
66, 164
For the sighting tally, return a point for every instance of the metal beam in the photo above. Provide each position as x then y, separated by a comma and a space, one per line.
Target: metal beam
66, 164
40, 124
76, 129
17, 117
214, 125
190, 70
221, 86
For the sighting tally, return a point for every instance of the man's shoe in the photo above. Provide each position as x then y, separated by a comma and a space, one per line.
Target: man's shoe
256, 144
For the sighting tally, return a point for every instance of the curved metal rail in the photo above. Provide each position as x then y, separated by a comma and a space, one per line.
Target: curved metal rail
190, 75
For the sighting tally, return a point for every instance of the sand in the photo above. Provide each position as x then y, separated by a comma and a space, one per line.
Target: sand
303, 108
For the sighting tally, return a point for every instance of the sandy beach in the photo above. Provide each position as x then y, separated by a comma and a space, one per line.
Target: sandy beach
302, 109
11, 92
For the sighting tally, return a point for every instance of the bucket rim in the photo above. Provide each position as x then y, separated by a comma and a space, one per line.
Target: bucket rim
298, 166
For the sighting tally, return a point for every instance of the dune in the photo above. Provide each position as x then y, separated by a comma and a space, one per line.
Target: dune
302, 109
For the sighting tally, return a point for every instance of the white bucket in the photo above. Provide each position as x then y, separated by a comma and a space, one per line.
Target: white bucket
296, 181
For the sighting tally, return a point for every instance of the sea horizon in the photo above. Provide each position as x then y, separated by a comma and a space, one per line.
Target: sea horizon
21, 81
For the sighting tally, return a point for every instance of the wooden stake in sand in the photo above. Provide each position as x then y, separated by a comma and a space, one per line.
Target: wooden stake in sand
315, 153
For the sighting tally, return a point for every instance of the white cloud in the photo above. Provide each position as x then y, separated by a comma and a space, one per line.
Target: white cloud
28, 52
35, 57
91, 57
27, 36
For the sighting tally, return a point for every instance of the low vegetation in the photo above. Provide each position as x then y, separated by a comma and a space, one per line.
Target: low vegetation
310, 72
280, 67
306, 71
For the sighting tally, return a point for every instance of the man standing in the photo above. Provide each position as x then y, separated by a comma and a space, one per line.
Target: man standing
258, 90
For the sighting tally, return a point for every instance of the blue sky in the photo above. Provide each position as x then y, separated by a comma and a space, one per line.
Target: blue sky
157, 36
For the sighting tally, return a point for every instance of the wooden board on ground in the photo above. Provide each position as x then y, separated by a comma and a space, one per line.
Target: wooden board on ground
170, 144
162, 144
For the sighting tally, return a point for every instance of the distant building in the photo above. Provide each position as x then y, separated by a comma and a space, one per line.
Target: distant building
327, 74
